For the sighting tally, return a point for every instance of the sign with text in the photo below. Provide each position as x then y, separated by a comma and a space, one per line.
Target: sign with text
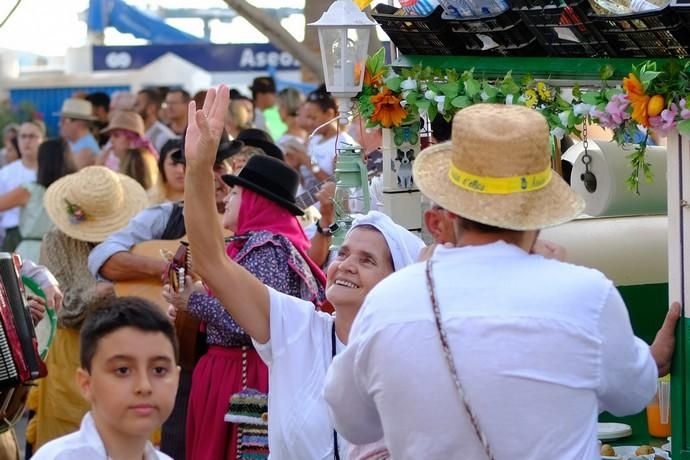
210, 57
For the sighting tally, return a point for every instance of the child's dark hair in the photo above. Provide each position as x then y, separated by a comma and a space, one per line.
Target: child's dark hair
116, 314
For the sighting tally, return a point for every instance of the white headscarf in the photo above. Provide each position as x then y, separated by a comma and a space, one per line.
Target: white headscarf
403, 245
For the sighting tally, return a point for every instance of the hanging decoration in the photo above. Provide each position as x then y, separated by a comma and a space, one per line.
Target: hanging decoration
651, 101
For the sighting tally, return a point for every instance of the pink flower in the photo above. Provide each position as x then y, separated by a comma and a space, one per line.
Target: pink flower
665, 122
684, 113
615, 113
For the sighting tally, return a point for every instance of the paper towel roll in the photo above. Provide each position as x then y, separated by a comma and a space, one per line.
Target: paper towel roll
611, 166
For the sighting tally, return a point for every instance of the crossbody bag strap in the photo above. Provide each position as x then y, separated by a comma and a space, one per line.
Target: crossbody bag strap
451, 362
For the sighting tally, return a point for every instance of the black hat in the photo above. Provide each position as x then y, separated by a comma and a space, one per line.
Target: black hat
226, 148
261, 139
263, 85
271, 178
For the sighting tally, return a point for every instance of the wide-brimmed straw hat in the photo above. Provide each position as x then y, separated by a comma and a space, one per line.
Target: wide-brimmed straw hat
496, 170
271, 178
78, 109
91, 204
127, 120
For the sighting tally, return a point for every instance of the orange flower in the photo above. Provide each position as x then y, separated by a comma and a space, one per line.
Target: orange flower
656, 105
373, 80
387, 109
638, 99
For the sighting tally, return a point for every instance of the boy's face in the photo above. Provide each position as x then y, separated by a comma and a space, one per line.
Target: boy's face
132, 383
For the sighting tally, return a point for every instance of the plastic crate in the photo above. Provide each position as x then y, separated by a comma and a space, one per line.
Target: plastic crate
503, 34
656, 33
563, 27
422, 35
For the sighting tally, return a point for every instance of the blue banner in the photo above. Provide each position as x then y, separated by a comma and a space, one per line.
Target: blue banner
210, 57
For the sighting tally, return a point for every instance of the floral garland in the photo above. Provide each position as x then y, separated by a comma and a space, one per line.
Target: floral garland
649, 101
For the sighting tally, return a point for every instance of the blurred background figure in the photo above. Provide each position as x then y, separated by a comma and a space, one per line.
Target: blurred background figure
240, 116
19, 173
54, 161
171, 169
266, 115
130, 153
122, 101
289, 102
10, 150
100, 102
175, 106
148, 105
76, 117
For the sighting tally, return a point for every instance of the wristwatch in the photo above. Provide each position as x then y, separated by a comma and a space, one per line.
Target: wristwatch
328, 231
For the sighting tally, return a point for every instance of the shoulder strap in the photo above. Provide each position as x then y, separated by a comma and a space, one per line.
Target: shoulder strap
451, 362
175, 228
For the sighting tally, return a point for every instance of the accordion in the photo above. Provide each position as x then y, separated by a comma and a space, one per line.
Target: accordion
20, 361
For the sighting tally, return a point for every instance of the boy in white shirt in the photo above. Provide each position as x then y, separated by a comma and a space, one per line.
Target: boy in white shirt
129, 374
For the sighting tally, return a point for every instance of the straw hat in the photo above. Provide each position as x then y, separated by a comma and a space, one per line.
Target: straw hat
91, 204
79, 109
496, 170
127, 120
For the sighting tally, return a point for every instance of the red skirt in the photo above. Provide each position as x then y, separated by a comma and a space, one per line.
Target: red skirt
217, 376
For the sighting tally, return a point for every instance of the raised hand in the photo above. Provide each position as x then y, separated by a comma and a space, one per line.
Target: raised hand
205, 127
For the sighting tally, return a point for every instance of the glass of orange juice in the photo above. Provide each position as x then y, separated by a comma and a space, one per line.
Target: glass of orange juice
659, 410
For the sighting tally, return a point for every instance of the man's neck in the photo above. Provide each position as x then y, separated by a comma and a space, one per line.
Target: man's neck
524, 240
119, 446
178, 126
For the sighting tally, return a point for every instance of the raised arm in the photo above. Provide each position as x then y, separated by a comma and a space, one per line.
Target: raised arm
243, 296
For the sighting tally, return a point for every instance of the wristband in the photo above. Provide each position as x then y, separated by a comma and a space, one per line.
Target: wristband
328, 231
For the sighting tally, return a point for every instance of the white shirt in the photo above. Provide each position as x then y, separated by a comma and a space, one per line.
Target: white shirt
85, 444
298, 355
323, 152
541, 347
158, 134
12, 176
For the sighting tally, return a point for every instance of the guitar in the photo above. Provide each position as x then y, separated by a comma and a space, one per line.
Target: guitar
148, 288
191, 342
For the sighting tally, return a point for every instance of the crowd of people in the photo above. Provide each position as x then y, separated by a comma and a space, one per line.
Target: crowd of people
256, 338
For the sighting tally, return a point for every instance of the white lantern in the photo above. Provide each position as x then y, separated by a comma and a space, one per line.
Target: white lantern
344, 40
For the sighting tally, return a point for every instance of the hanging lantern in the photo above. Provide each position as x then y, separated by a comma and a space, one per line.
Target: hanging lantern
351, 190
344, 40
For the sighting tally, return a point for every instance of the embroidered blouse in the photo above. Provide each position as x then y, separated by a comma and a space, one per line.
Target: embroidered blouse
275, 262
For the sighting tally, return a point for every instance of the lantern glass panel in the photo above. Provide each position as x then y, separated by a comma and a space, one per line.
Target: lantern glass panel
344, 54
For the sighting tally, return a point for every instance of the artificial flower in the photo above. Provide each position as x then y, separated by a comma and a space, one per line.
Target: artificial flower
666, 121
582, 109
408, 84
375, 80
638, 99
684, 112
543, 91
428, 94
440, 103
558, 132
509, 99
530, 97
564, 117
387, 109
484, 96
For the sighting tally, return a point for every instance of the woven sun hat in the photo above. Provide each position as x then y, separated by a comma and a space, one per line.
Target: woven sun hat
127, 120
79, 109
91, 204
496, 170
